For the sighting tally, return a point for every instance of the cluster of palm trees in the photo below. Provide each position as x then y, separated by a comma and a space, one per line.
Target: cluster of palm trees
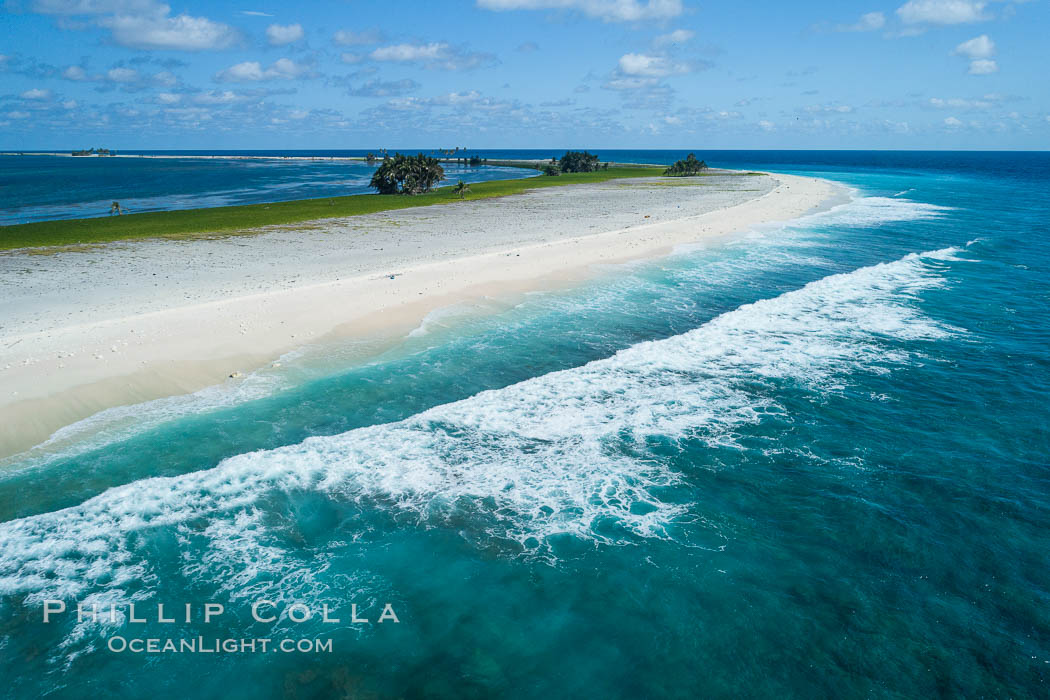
684, 168
401, 174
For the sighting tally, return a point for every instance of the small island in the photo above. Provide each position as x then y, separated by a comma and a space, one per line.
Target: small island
95, 152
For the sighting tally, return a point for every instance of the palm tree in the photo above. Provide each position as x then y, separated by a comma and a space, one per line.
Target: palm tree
577, 162
687, 167
403, 174
461, 189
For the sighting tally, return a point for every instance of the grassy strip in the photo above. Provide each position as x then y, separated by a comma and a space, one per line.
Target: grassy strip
194, 222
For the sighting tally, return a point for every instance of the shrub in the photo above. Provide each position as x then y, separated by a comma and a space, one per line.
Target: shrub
687, 167
578, 162
407, 174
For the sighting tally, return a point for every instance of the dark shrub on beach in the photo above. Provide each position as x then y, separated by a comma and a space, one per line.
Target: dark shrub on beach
403, 174
578, 162
684, 168
550, 169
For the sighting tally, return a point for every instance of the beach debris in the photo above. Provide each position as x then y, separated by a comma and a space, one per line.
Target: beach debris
236, 375
276, 364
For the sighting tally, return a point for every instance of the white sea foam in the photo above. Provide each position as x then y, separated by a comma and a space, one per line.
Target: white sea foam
123, 422
562, 454
872, 211
445, 317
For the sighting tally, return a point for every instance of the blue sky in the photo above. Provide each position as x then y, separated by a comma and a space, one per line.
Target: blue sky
140, 74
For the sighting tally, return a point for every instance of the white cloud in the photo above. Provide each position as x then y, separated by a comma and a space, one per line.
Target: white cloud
344, 37
220, 98
437, 54
252, 71
168, 98
678, 36
942, 11
868, 22
74, 73
36, 94
630, 83
279, 34
129, 79
640, 92
722, 115
829, 109
145, 24
165, 78
637, 64
456, 98
987, 102
979, 50
983, 66
182, 32
952, 121
255, 13
70, 104
411, 52
379, 88
978, 47
122, 75
766, 125
460, 102
18, 115
606, 10
92, 7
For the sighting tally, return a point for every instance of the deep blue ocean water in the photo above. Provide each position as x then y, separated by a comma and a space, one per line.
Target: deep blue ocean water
809, 462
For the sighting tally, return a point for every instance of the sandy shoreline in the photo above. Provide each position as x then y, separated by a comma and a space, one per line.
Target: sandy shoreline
129, 322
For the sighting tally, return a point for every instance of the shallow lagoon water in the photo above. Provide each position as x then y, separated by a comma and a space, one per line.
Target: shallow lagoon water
811, 461
45, 187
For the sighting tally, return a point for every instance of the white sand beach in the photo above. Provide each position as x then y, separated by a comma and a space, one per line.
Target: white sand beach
84, 330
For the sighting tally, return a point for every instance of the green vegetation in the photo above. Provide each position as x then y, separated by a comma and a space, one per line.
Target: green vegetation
195, 223
578, 162
403, 174
461, 189
686, 168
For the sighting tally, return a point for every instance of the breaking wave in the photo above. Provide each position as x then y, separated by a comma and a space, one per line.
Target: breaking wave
568, 453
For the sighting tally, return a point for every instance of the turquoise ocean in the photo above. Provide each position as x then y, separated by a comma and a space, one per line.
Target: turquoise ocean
810, 461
